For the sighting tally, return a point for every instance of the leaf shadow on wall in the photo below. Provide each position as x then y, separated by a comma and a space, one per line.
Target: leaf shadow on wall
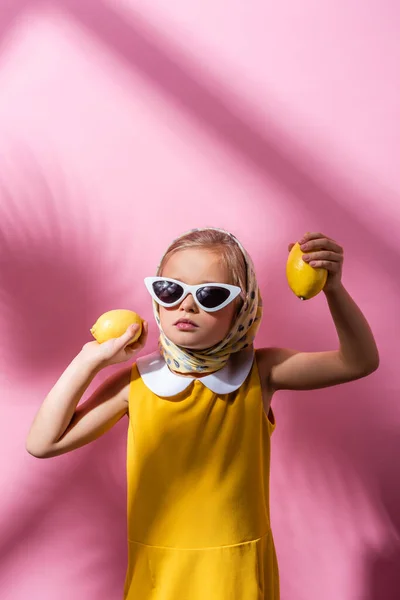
50, 289
74, 505
265, 149
347, 459
52, 276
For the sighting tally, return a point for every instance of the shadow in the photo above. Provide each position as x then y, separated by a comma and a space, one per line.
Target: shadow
53, 280
57, 490
346, 456
383, 573
205, 100
11, 12
53, 284
51, 249
383, 568
271, 153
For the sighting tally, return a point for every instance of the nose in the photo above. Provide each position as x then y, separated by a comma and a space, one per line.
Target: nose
189, 305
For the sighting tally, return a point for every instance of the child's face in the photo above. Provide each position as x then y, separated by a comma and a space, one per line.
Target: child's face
193, 267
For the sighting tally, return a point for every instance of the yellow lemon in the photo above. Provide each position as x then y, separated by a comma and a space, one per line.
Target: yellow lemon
305, 281
114, 323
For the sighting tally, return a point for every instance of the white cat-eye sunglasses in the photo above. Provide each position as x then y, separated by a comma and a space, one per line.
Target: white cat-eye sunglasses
210, 297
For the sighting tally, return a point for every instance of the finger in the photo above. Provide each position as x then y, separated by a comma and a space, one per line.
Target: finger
332, 267
129, 334
290, 247
145, 332
321, 244
308, 236
139, 343
322, 255
311, 235
315, 236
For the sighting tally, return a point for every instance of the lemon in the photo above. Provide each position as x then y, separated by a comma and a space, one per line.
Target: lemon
114, 323
305, 281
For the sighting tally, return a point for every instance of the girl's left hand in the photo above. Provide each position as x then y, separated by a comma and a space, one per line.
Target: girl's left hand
325, 253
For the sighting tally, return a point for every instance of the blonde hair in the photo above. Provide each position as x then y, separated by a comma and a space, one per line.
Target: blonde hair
216, 241
245, 323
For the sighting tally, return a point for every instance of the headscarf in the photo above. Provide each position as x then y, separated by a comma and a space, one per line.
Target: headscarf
241, 335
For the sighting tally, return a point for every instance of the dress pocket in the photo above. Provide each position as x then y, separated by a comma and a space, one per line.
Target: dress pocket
220, 573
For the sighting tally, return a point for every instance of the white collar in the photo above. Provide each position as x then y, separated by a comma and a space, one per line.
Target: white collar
161, 381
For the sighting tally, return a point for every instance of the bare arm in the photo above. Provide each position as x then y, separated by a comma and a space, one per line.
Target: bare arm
60, 425
356, 357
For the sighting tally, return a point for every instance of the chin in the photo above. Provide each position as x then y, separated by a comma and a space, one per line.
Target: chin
189, 345
184, 341
196, 347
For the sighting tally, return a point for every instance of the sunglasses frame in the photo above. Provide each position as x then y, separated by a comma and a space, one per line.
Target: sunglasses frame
234, 290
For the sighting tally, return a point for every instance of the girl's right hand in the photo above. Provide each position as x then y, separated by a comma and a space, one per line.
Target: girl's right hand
116, 350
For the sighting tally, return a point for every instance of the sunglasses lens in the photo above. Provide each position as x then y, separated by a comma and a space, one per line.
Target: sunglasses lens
167, 291
211, 297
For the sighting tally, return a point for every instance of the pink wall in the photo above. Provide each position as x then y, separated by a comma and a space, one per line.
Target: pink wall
125, 123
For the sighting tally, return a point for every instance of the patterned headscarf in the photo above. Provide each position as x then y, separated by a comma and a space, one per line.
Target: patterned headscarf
241, 335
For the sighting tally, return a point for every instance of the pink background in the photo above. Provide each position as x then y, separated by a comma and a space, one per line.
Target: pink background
122, 124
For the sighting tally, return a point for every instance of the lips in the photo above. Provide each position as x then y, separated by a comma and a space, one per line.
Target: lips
186, 321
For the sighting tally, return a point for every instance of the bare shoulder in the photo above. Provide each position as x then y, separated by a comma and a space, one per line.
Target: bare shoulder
268, 358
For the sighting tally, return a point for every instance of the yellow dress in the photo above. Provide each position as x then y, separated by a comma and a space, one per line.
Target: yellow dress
198, 464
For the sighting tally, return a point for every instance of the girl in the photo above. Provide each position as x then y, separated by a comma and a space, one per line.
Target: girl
200, 417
